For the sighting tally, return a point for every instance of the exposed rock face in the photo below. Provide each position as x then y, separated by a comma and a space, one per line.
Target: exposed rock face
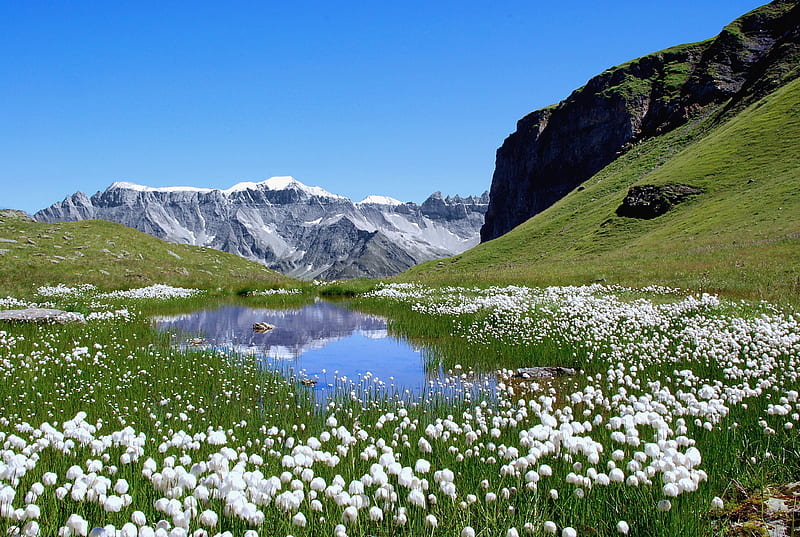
650, 201
555, 149
299, 230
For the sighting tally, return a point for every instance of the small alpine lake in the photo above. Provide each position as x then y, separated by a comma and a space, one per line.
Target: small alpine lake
320, 342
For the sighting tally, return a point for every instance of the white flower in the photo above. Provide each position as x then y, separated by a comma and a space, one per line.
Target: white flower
138, 518
349, 515
416, 498
622, 527
121, 486
550, 527
208, 518
431, 521
113, 504
468, 532
568, 532
716, 503
375, 513
299, 520
32, 511
31, 529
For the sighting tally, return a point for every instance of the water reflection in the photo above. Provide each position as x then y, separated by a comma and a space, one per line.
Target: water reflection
322, 339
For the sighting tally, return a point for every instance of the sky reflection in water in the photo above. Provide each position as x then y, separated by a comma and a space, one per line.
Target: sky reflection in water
315, 338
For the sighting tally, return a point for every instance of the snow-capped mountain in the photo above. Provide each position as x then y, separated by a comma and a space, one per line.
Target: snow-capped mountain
299, 230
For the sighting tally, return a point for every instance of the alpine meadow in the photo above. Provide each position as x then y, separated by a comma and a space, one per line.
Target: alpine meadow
614, 348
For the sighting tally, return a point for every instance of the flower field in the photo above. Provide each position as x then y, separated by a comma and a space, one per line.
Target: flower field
679, 405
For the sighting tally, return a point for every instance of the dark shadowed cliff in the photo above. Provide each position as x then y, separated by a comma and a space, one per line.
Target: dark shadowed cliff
555, 149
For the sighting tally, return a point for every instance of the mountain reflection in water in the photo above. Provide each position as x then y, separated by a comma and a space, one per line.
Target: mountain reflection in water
320, 338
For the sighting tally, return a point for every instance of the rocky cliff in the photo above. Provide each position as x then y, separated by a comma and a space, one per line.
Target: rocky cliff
295, 229
555, 149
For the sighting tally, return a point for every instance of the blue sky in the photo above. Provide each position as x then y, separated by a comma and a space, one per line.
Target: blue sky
392, 98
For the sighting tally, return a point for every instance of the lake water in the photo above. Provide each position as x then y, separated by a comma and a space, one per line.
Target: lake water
321, 340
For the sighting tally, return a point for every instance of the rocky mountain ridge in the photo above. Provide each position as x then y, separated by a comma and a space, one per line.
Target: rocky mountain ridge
555, 149
296, 229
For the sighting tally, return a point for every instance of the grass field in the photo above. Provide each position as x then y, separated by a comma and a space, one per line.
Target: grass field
113, 256
680, 400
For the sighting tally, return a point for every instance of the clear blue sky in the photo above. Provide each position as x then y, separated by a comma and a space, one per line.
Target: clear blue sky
392, 98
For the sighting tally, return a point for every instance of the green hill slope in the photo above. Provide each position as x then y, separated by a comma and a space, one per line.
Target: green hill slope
112, 256
741, 237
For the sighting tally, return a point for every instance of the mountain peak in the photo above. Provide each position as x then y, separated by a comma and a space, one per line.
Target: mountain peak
380, 200
125, 185
273, 183
285, 182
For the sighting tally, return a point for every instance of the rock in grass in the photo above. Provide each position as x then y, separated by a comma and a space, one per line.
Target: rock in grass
547, 372
650, 201
42, 315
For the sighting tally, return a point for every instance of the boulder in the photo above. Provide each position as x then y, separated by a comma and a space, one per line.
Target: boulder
650, 201
42, 315
544, 372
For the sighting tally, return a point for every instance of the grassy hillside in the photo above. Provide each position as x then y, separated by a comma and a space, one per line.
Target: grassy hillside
741, 237
112, 256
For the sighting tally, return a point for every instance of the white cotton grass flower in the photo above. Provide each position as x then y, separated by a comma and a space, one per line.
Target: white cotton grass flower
431, 521
32, 511
717, 503
375, 513
422, 466
550, 527
299, 520
664, 505
622, 527
208, 518
138, 518
468, 532
349, 515
569, 532
31, 529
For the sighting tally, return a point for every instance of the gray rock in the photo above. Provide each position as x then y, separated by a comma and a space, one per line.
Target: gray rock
650, 201
544, 372
42, 315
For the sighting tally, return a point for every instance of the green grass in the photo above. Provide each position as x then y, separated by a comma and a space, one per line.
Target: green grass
112, 256
741, 237
125, 374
